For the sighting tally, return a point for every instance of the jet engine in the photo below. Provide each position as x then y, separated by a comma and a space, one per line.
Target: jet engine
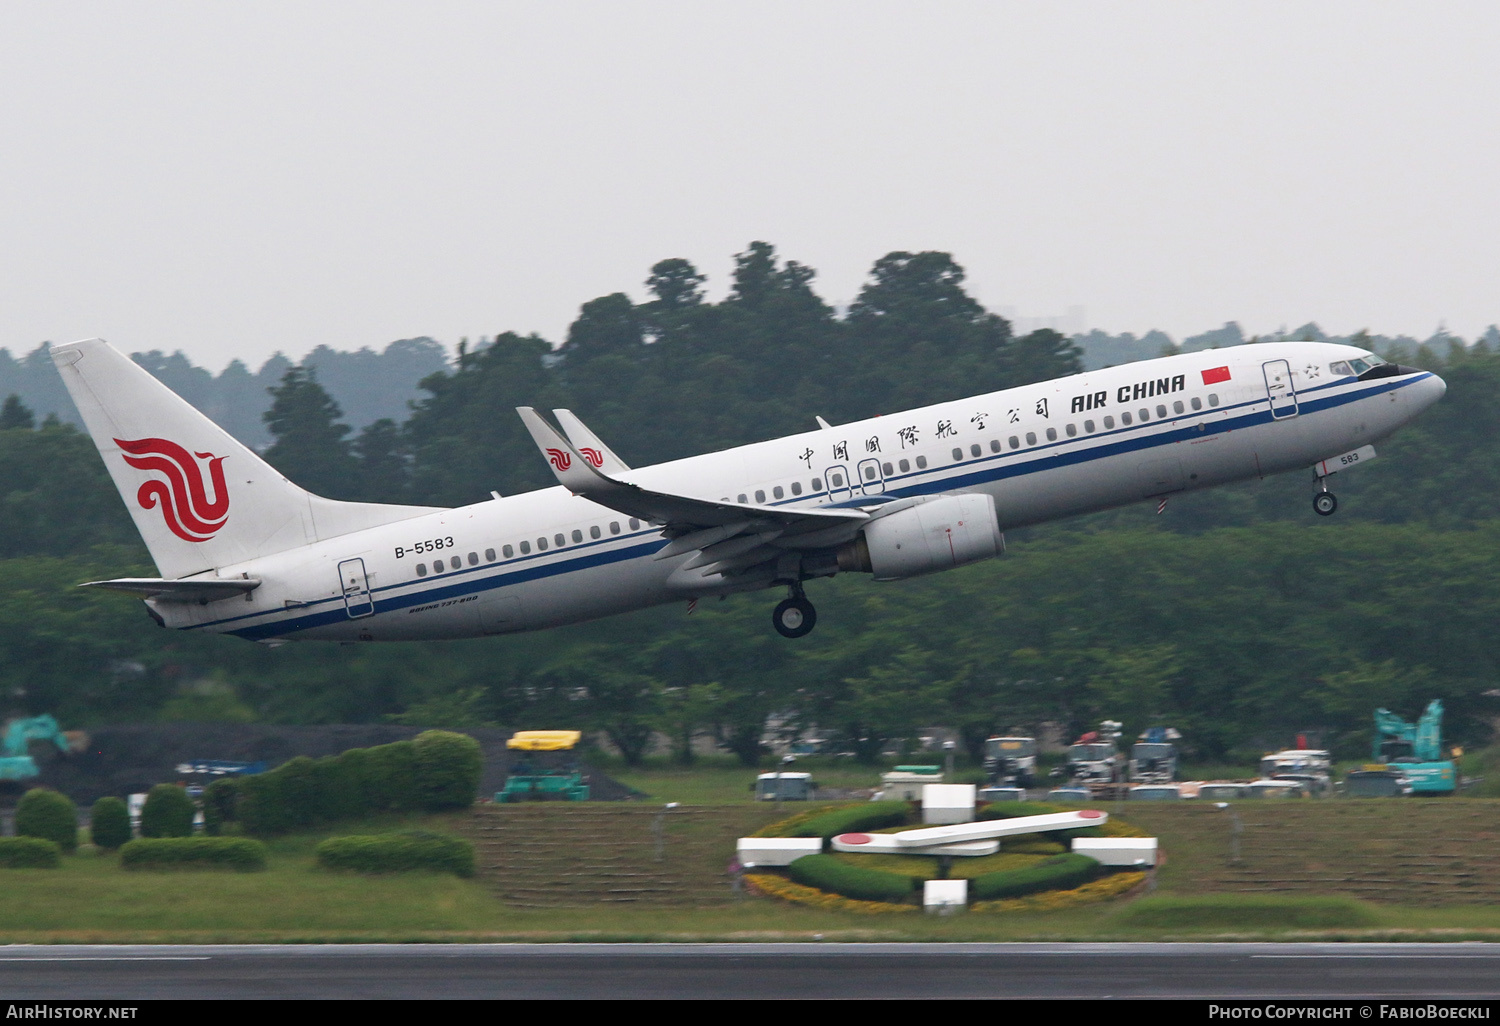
938, 534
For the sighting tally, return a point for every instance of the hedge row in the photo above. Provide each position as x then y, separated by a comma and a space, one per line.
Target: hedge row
866, 816
1061, 872
238, 853
827, 873
438, 770
29, 853
398, 853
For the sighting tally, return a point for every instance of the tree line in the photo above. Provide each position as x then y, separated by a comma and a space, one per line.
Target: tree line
1236, 615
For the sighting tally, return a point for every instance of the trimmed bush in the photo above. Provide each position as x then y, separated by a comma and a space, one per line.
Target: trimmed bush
1060, 872
50, 815
398, 853
392, 782
237, 853
827, 873
854, 818
219, 799
109, 823
448, 767
29, 853
168, 812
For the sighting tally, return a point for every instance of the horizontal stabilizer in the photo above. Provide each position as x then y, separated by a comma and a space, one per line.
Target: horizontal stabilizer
208, 589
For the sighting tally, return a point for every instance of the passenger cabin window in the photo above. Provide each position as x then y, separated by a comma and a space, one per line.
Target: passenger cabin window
489, 555
837, 479
594, 531
743, 497
1197, 403
577, 536
1124, 419
817, 484
1145, 416
760, 495
869, 473
614, 527
1052, 434
905, 465
889, 470
455, 563
1072, 430
541, 544
1031, 438
525, 548
778, 492
1109, 423
1177, 407
994, 445
473, 559
1088, 426
559, 540
421, 569
1015, 443
958, 454
1213, 398
507, 551
921, 462
1161, 411
635, 524
796, 487
974, 450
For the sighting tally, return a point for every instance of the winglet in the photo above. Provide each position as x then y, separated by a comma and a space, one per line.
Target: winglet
573, 472
588, 444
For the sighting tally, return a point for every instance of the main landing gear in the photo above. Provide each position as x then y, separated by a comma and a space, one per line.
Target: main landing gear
1324, 503
794, 617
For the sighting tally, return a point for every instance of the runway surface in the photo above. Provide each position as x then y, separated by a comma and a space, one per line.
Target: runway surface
811, 970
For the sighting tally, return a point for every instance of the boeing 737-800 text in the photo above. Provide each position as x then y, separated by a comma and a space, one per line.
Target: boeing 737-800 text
241, 550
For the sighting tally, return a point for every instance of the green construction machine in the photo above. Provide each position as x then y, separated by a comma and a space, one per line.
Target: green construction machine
1416, 749
544, 775
16, 762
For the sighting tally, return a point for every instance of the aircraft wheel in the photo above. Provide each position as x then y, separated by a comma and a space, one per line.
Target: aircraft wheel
794, 618
1324, 504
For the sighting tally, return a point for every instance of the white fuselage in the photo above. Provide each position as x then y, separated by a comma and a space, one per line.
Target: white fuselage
1054, 449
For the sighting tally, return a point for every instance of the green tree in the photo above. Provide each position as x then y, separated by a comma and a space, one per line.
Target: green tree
310, 446
15, 414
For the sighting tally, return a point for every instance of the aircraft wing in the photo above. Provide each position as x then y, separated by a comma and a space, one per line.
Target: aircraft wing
207, 589
727, 536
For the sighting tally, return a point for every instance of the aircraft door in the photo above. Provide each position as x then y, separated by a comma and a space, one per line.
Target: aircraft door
358, 601
1279, 388
870, 477
837, 481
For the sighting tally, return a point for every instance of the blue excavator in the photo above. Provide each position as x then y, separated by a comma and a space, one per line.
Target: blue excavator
1416, 749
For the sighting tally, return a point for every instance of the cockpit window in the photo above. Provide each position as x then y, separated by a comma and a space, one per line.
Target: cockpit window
1340, 368
1360, 366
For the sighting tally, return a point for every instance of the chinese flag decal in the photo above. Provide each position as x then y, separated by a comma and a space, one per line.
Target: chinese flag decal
1215, 375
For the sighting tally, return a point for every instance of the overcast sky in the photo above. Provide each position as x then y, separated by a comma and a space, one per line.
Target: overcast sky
234, 179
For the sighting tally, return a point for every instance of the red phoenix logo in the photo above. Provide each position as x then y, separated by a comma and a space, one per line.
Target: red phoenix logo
559, 459
594, 456
185, 504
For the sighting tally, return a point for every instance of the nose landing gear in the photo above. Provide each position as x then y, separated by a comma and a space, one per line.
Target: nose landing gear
794, 617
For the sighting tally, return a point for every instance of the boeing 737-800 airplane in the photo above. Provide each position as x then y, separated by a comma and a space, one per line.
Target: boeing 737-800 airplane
241, 550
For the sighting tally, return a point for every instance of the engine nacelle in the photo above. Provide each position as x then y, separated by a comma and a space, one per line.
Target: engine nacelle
936, 535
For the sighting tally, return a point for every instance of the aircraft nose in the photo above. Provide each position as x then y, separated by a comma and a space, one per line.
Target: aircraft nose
1428, 390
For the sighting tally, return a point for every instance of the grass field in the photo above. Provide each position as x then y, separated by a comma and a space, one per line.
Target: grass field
1292, 857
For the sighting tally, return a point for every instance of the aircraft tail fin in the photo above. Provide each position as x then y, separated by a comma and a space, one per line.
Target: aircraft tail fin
200, 498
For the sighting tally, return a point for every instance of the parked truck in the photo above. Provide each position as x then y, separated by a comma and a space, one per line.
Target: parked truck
1093, 758
1010, 761
1153, 759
